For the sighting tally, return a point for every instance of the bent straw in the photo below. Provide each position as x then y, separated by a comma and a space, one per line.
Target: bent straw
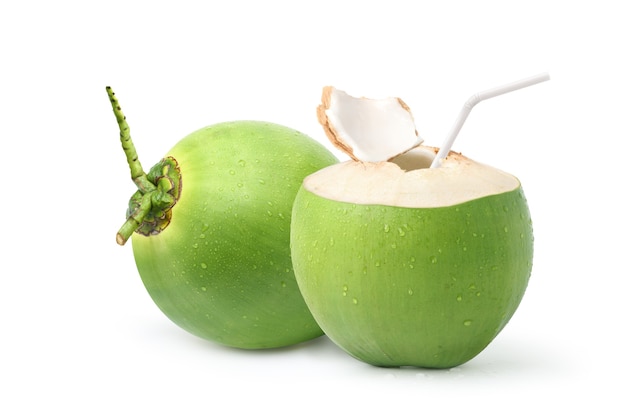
474, 100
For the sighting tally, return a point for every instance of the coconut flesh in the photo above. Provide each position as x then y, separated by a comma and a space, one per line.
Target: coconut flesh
390, 166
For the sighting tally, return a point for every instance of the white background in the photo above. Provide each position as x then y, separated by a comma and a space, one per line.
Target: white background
81, 337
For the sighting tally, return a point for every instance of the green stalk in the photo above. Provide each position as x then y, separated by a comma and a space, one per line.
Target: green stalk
158, 191
137, 173
134, 220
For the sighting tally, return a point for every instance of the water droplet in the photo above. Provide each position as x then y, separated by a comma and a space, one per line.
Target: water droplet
239, 185
203, 265
506, 229
459, 297
203, 288
355, 301
195, 246
377, 263
433, 259
283, 283
472, 286
386, 228
332, 242
202, 236
242, 163
231, 172
269, 213
478, 294
410, 291
261, 182
467, 323
364, 270
401, 231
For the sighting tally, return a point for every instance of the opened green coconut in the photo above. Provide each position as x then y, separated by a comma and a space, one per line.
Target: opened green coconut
402, 264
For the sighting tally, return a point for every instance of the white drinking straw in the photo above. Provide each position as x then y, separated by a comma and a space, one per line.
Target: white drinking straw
474, 100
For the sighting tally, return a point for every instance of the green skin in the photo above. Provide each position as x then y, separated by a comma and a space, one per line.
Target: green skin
220, 268
425, 287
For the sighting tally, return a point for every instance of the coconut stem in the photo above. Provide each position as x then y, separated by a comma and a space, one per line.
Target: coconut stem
135, 219
137, 174
149, 210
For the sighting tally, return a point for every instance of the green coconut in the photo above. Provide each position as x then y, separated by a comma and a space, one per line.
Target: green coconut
405, 265
210, 229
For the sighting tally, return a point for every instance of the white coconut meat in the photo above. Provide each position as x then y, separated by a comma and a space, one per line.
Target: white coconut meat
407, 181
389, 167
367, 130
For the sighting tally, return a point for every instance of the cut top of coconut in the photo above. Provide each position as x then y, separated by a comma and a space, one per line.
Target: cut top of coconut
407, 181
367, 130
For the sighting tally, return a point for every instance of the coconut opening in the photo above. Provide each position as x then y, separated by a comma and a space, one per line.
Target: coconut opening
404, 182
389, 167
418, 158
367, 130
